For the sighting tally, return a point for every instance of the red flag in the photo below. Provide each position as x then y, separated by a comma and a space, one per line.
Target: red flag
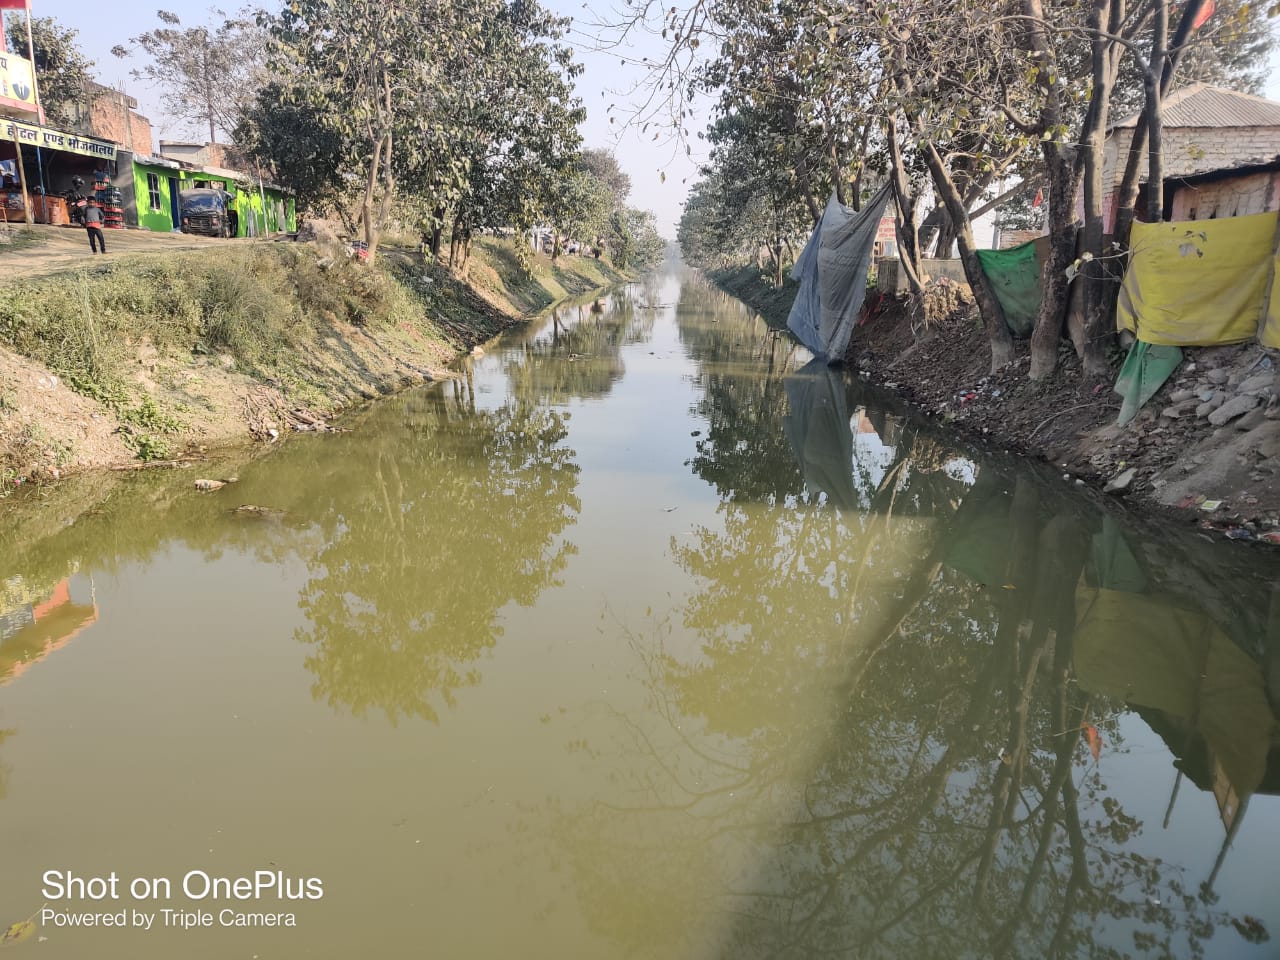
15, 5
1038, 200
1205, 13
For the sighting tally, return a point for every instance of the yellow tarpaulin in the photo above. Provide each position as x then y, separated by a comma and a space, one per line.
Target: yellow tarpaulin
1202, 282
1148, 652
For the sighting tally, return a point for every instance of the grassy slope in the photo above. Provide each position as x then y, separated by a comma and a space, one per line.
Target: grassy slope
156, 353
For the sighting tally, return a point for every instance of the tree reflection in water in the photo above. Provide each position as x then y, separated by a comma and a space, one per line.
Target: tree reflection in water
577, 353
443, 522
871, 723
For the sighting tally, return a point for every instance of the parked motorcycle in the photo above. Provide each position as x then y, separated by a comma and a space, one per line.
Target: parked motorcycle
76, 201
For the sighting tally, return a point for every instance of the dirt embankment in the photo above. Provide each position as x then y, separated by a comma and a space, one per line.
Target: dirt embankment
1205, 449
167, 351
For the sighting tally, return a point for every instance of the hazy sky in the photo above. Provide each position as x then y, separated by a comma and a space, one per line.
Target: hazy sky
606, 80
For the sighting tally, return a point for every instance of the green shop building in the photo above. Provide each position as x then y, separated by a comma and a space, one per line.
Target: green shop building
260, 209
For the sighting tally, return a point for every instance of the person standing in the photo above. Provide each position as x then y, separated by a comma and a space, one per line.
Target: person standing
93, 227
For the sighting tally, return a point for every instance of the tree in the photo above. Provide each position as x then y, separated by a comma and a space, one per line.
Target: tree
603, 165
971, 93
513, 127
579, 206
208, 76
62, 71
644, 246
294, 142
467, 104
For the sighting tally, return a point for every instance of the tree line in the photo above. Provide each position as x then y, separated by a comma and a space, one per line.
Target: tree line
961, 106
448, 116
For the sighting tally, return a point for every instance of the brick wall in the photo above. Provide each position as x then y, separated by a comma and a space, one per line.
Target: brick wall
1015, 238
1232, 197
1188, 150
1195, 149
109, 115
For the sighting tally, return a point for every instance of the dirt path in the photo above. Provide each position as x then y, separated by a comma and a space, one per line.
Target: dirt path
52, 250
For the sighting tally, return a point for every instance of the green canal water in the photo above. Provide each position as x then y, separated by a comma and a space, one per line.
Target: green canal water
645, 639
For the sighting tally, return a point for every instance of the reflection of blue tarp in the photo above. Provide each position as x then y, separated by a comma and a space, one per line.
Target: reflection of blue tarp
832, 270
817, 427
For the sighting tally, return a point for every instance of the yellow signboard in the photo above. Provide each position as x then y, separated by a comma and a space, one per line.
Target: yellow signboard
17, 86
29, 133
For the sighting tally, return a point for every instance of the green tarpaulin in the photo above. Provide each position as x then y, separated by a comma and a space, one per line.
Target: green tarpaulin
1015, 278
1144, 372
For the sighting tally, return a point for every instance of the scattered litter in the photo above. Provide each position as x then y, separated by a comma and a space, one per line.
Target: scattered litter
210, 485
670, 509
253, 510
1210, 505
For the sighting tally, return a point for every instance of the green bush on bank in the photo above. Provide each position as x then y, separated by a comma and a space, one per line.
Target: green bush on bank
262, 305
254, 303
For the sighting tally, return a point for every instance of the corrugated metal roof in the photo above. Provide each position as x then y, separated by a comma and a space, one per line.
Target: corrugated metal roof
1200, 105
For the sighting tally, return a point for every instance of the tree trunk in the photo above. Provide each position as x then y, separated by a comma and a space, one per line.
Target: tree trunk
804, 180
1087, 318
437, 232
208, 84
905, 206
389, 180
988, 306
856, 186
388, 194
1155, 122
371, 183
837, 172
1063, 178
1062, 253
1127, 195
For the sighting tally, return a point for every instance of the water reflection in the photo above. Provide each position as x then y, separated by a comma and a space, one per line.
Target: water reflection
35, 623
929, 747
577, 351
441, 524
860, 715
932, 689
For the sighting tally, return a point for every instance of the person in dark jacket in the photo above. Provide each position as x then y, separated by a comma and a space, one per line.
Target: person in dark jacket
93, 227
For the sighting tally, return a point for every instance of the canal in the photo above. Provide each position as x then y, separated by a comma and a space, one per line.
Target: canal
646, 638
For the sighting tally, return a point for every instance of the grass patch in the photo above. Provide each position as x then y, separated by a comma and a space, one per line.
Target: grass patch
18, 239
255, 303
278, 313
